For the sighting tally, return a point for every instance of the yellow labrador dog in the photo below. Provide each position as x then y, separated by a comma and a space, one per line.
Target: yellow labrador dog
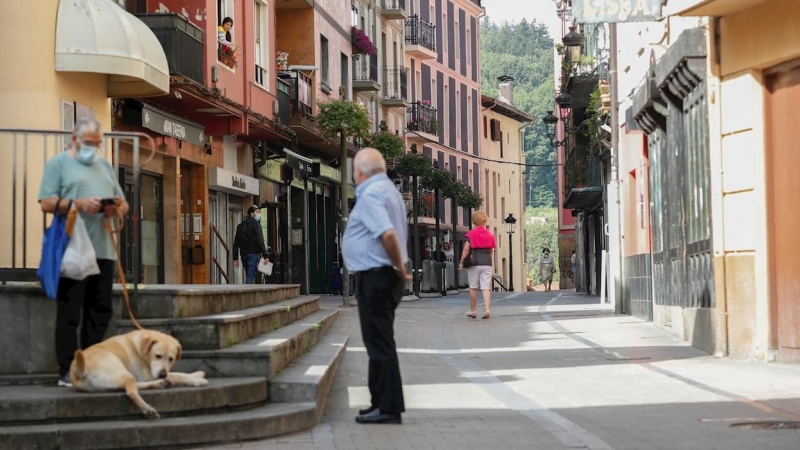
132, 361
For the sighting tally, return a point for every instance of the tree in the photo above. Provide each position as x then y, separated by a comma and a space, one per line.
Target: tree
336, 115
390, 145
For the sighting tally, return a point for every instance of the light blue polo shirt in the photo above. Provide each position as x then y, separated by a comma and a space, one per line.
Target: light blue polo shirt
69, 179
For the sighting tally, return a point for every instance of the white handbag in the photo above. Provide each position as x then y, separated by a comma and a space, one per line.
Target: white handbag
265, 268
80, 259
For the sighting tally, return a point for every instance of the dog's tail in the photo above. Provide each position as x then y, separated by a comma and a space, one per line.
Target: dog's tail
79, 365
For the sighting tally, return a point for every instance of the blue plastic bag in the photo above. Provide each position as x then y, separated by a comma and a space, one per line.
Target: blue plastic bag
54, 245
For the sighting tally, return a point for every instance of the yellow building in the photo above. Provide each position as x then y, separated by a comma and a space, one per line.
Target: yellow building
81, 54
503, 191
754, 88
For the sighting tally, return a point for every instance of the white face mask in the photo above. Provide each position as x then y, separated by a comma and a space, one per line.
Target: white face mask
86, 154
257, 217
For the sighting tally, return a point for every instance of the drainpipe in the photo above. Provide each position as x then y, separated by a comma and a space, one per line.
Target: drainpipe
615, 234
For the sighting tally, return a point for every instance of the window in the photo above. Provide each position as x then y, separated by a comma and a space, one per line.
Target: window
434, 96
469, 119
325, 70
485, 132
457, 129
468, 50
446, 125
345, 62
261, 18
354, 15
457, 43
225, 54
444, 33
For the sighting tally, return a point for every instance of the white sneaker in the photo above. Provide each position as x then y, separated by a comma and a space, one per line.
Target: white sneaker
63, 381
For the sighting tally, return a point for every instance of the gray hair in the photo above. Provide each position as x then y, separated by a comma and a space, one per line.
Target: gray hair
85, 124
370, 161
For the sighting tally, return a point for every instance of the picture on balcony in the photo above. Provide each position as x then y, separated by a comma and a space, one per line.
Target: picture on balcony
362, 45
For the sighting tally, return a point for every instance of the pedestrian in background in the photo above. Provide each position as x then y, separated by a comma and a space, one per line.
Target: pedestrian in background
80, 178
574, 260
249, 241
547, 267
448, 252
480, 241
374, 248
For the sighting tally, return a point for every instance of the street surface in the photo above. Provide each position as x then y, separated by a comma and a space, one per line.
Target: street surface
550, 370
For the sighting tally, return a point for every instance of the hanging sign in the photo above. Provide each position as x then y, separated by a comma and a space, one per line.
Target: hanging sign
616, 11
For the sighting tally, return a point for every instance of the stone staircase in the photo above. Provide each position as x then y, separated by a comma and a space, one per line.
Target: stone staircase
265, 350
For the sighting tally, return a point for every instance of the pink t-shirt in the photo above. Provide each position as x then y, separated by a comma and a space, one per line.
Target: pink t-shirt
481, 238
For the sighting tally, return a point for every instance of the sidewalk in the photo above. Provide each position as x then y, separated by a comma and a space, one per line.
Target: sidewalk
550, 370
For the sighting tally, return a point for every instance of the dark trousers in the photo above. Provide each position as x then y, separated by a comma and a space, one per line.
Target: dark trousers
378, 293
250, 261
91, 295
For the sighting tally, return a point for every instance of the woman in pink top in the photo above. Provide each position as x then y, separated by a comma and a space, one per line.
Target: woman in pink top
481, 241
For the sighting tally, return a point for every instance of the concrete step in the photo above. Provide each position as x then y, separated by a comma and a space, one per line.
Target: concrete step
173, 301
309, 378
32, 404
258, 423
264, 355
230, 328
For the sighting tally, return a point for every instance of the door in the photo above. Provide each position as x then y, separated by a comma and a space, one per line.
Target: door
148, 250
783, 95
187, 233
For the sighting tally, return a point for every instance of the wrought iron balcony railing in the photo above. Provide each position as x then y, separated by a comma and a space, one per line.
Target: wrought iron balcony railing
419, 32
393, 4
581, 169
422, 117
365, 67
182, 41
395, 83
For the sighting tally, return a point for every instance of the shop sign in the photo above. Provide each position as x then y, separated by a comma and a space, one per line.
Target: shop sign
169, 125
616, 11
223, 180
306, 166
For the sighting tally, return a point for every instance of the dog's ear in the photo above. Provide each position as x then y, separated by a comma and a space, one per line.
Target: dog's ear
178, 356
79, 365
147, 344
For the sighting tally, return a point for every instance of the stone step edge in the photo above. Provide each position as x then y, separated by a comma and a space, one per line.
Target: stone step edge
228, 317
309, 378
202, 290
261, 422
65, 405
267, 360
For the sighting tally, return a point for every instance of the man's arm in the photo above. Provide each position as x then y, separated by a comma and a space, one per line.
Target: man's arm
260, 239
392, 246
236, 239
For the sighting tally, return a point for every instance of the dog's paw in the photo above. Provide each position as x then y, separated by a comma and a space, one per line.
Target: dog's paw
150, 412
198, 374
162, 384
199, 382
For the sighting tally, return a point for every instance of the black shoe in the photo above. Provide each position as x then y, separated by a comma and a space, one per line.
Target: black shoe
361, 412
63, 381
377, 417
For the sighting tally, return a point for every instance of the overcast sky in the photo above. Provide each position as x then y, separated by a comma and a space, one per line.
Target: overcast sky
544, 11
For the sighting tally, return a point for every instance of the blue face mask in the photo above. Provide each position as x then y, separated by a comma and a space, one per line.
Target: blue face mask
86, 154
257, 217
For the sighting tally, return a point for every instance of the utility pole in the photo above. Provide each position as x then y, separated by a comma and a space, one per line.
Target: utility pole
615, 232
343, 198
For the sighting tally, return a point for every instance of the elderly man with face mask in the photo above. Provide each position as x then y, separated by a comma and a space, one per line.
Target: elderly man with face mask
374, 248
79, 178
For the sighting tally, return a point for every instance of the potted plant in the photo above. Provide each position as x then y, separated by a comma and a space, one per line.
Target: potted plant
362, 45
434, 126
336, 116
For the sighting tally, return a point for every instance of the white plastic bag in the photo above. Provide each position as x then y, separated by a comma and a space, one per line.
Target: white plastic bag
80, 260
265, 268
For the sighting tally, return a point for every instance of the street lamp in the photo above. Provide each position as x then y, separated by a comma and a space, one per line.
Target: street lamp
510, 224
573, 41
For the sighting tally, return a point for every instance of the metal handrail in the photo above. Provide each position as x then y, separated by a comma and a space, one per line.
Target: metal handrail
497, 281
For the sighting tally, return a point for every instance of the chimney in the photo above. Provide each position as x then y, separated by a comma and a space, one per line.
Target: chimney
506, 89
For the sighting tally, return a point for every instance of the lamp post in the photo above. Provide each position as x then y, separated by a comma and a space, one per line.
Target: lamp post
510, 223
343, 198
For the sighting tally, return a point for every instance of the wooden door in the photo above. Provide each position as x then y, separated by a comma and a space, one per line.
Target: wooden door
783, 190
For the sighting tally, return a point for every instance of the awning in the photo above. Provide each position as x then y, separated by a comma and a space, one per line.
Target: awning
584, 198
717, 8
100, 37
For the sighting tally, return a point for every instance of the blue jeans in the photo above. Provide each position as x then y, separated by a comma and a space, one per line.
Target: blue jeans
250, 262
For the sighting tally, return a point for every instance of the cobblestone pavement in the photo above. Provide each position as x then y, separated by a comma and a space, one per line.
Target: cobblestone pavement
550, 370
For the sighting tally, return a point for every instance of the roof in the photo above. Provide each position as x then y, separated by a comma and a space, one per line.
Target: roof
505, 109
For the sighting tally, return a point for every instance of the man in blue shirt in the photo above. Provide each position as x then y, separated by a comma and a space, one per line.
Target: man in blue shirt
374, 248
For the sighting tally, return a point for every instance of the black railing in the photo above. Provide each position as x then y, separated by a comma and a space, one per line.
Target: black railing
300, 94
395, 83
261, 76
419, 32
284, 102
422, 117
581, 169
182, 42
365, 68
394, 4
373, 67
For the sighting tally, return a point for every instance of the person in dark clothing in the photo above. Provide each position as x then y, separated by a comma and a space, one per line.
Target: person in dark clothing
439, 255
249, 240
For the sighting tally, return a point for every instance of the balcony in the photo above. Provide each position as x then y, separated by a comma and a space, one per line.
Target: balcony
300, 100
582, 179
395, 87
422, 120
394, 9
365, 73
182, 43
284, 112
420, 38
